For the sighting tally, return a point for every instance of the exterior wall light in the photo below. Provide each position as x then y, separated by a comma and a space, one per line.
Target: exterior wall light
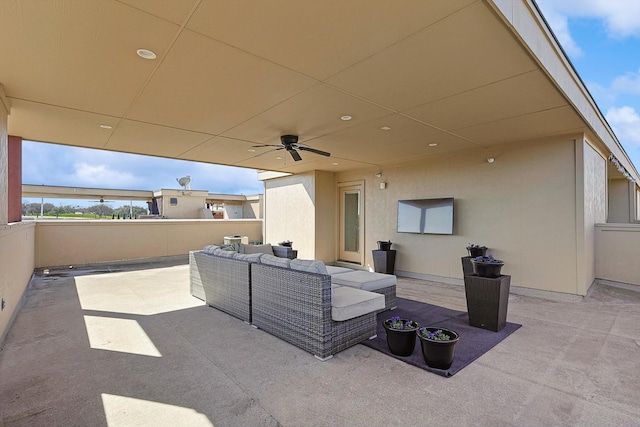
490, 160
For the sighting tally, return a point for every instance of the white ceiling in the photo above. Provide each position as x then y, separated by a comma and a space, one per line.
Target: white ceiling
233, 74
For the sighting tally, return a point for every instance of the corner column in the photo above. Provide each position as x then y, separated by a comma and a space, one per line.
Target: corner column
14, 171
4, 158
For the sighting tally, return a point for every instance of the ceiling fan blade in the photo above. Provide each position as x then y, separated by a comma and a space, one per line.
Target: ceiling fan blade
265, 145
294, 154
313, 150
264, 153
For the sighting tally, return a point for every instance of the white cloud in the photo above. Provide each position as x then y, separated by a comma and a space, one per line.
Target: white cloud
52, 164
628, 83
625, 122
560, 26
100, 175
620, 17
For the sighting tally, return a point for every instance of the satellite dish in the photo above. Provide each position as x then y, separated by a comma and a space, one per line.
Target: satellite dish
185, 182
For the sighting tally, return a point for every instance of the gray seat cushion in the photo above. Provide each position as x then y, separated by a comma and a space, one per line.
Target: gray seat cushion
349, 303
332, 269
365, 280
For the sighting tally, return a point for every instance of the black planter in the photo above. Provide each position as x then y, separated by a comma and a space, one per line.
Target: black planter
401, 342
474, 252
487, 269
487, 301
467, 266
384, 261
438, 354
384, 246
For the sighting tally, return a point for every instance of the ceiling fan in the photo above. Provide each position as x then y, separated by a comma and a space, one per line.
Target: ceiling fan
101, 201
290, 143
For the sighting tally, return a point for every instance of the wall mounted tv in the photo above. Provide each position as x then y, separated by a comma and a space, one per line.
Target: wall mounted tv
426, 216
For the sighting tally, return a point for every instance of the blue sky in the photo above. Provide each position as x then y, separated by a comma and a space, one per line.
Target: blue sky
51, 164
601, 38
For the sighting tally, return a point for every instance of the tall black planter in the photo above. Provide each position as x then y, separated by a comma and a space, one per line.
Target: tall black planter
384, 261
467, 266
487, 301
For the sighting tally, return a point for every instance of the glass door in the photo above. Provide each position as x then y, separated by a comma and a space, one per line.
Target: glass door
351, 219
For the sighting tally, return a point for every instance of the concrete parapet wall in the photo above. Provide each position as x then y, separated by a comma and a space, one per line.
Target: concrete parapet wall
16, 268
617, 249
61, 243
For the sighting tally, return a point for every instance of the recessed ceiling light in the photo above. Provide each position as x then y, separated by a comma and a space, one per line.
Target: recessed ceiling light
433, 144
279, 157
251, 150
106, 126
346, 118
385, 128
146, 54
334, 164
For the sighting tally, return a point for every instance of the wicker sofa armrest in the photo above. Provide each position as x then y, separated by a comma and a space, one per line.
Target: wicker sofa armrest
223, 283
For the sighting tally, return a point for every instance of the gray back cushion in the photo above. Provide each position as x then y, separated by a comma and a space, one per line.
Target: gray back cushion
223, 253
249, 257
210, 248
256, 249
309, 265
275, 261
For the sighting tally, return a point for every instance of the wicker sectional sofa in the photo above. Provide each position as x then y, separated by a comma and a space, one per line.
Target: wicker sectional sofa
295, 303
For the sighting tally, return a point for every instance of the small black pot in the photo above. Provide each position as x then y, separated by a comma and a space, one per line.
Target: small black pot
401, 342
384, 246
474, 252
487, 269
438, 354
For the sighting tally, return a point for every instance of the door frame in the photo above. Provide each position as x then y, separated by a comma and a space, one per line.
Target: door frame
361, 239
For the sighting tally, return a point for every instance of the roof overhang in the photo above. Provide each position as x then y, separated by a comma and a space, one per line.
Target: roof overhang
418, 78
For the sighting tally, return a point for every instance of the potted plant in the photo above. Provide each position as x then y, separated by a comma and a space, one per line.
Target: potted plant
401, 335
438, 346
476, 250
487, 266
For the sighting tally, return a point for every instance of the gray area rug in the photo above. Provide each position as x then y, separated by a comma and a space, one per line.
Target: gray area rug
474, 342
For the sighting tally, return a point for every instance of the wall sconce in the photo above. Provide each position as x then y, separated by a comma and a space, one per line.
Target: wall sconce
379, 175
490, 160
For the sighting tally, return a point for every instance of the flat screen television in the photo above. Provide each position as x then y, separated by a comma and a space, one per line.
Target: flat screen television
426, 216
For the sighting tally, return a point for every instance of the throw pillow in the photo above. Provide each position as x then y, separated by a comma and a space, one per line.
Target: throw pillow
309, 265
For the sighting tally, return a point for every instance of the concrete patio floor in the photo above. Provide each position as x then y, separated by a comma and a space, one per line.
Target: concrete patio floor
132, 347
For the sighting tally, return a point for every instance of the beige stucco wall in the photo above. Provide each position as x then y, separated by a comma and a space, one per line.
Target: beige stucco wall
16, 267
4, 160
617, 252
523, 207
189, 204
253, 208
326, 206
290, 212
61, 243
619, 201
593, 208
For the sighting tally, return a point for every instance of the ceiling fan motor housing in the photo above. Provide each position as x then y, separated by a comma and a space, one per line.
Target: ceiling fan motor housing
289, 139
